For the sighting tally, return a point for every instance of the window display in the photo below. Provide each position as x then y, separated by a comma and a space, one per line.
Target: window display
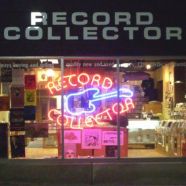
78, 108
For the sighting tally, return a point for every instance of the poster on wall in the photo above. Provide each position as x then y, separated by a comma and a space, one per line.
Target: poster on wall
30, 98
4, 103
17, 146
17, 97
5, 89
30, 82
6, 74
36, 130
70, 151
72, 136
18, 77
110, 138
17, 122
91, 139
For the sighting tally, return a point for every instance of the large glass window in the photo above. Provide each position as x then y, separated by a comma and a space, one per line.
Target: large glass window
92, 108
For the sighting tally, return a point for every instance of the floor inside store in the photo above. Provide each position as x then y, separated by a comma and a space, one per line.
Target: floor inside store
144, 153
42, 153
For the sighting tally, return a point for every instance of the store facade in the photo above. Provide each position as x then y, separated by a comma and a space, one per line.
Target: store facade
89, 81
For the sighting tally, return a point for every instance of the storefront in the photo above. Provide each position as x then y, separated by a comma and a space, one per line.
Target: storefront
89, 81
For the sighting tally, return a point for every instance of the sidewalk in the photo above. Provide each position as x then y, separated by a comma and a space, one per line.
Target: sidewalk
126, 172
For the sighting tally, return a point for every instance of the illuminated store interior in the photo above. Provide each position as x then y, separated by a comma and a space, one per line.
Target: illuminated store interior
79, 108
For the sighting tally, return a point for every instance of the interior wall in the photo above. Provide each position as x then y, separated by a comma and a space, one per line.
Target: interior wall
168, 89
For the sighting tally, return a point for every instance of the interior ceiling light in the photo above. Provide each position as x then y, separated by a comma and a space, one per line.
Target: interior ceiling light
148, 66
53, 61
178, 82
50, 73
124, 65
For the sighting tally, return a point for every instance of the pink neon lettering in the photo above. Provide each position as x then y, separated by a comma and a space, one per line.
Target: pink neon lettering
70, 78
55, 115
65, 82
107, 83
129, 102
59, 120
85, 77
69, 120
96, 80
105, 115
121, 108
74, 125
73, 80
89, 121
51, 86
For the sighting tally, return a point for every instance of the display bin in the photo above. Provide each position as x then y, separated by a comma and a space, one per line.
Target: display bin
178, 133
183, 140
173, 138
170, 137
168, 134
179, 137
160, 136
142, 133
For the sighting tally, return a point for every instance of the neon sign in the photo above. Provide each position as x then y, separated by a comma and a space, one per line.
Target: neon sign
95, 97
74, 80
90, 120
90, 112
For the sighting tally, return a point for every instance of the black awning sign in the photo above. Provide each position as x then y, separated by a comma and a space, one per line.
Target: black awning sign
125, 29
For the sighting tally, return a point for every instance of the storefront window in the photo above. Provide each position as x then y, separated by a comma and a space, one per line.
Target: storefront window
91, 109
76, 108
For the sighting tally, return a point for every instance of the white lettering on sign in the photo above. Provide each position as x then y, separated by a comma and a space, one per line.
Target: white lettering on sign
38, 17
79, 18
131, 31
59, 18
12, 33
93, 26
96, 18
144, 18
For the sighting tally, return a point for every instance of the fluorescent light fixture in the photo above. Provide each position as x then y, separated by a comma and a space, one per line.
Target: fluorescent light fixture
54, 61
178, 82
124, 65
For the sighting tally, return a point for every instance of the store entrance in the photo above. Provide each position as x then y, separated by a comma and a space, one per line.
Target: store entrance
75, 108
